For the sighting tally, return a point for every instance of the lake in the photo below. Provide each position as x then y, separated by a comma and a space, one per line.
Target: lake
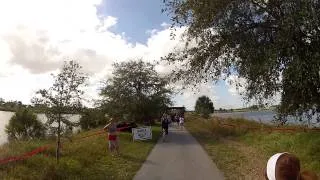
5, 117
263, 116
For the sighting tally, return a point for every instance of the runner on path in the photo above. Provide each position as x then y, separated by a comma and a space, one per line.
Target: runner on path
165, 125
181, 122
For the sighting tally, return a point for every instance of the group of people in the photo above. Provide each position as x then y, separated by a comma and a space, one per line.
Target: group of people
166, 120
280, 166
179, 121
113, 138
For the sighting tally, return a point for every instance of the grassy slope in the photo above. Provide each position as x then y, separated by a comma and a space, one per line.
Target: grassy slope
86, 159
242, 154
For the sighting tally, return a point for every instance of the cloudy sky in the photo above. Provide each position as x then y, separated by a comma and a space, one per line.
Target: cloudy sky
37, 35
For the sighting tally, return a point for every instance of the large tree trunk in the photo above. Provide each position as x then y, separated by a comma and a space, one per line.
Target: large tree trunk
58, 140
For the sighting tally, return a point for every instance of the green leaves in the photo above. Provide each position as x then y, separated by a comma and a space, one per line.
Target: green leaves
204, 106
64, 97
92, 118
24, 125
272, 44
135, 91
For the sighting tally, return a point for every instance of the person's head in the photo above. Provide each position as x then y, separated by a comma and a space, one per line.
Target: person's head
286, 166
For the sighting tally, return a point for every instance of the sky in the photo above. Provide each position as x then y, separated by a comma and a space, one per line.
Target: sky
36, 36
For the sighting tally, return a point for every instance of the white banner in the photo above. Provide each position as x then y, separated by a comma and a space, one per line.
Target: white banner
142, 133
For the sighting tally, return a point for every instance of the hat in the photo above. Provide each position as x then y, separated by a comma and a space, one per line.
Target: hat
271, 166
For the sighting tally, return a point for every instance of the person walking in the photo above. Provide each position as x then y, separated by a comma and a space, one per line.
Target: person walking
176, 121
165, 125
113, 138
181, 122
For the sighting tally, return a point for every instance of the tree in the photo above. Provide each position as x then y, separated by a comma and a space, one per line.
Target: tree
2, 101
204, 106
254, 107
135, 92
24, 125
272, 44
92, 118
64, 97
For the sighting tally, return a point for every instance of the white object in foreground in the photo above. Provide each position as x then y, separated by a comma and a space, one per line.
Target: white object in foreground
142, 133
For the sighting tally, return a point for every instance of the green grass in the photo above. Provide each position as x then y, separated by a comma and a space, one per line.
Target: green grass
86, 159
305, 145
241, 152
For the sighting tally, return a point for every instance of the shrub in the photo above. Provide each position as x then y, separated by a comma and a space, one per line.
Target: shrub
92, 118
204, 106
25, 125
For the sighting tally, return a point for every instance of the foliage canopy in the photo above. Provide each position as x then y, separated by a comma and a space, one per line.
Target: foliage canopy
63, 97
273, 44
92, 118
135, 92
25, 125
204, 106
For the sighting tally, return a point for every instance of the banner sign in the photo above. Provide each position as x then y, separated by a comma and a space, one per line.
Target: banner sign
142, 133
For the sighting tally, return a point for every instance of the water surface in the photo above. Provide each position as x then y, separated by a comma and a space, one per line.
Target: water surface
5, 117
264, 117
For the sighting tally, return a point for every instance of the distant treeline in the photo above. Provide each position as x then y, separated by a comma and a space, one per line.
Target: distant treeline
250, 108
14, 106
10, 105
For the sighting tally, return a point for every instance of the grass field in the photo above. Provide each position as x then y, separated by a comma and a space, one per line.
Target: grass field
85, 159
242, 153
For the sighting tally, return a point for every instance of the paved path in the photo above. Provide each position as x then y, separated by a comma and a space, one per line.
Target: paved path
181, 157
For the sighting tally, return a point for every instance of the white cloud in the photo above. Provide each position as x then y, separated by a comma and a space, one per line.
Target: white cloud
165, 25
236, 85
107, 22
23, 86
37, 35
188, 97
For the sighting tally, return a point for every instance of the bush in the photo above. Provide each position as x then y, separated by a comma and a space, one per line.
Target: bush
204, 106
92, 118
25, 125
